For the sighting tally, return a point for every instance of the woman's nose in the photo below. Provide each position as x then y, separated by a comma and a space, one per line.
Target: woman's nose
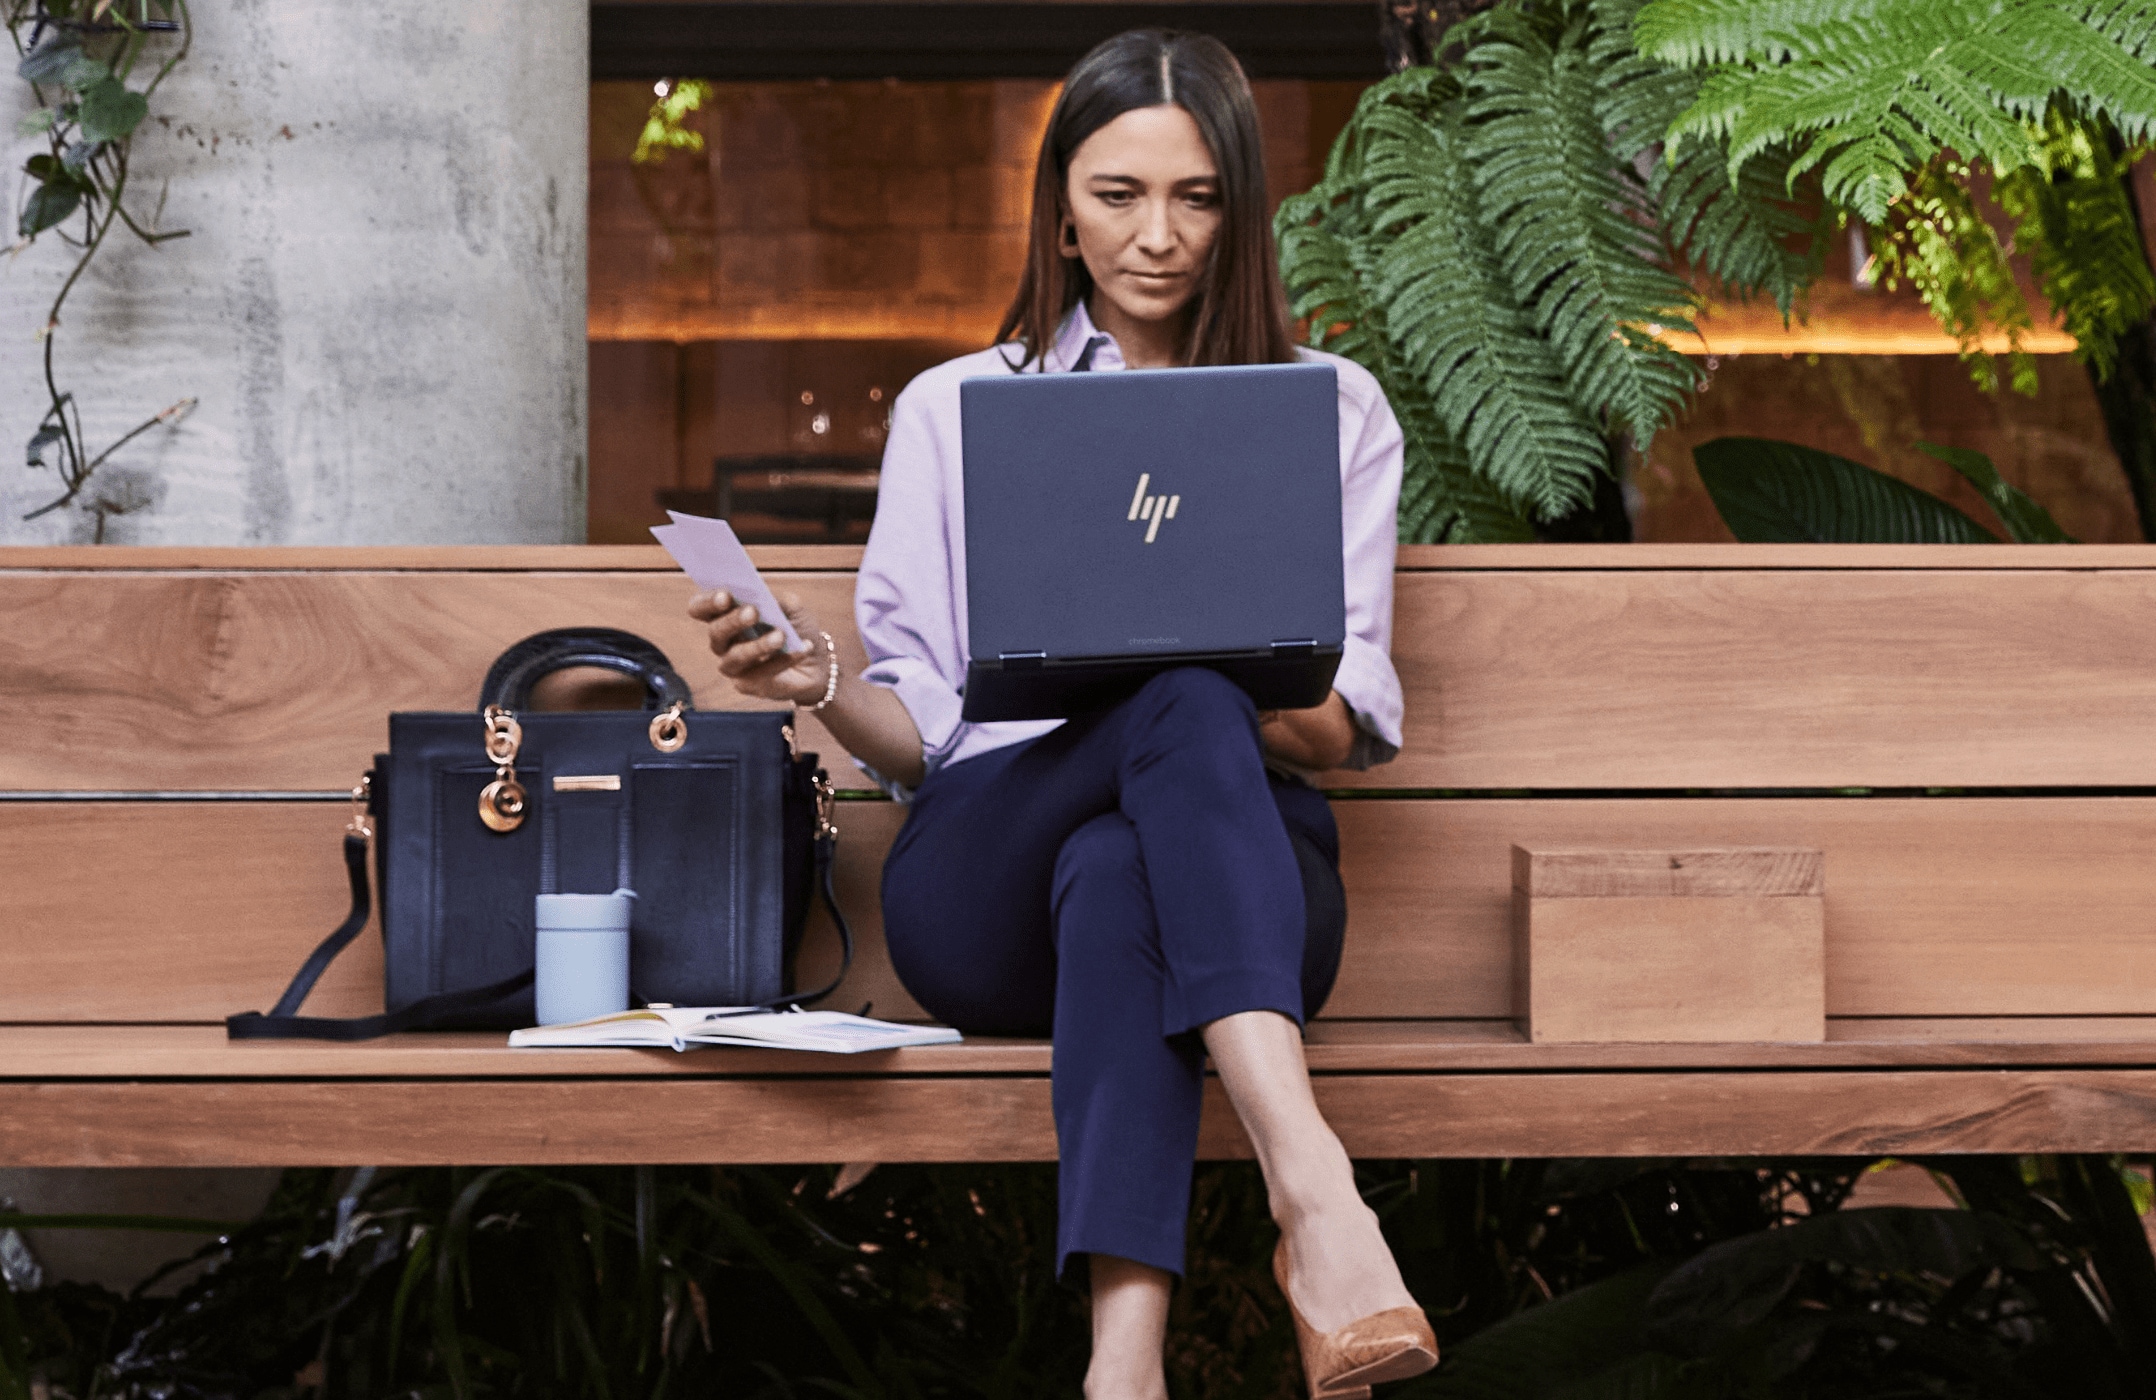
1156, 230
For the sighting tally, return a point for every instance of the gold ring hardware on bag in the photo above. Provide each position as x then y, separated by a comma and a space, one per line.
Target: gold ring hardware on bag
360, 825
826, 801
669, 731
501, 802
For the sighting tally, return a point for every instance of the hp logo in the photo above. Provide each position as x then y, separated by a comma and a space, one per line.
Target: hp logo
1151, 509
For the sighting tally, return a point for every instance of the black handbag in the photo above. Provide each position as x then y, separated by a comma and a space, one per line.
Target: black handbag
712, 817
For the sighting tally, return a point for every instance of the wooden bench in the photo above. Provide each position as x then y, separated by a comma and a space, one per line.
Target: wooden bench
1968, 733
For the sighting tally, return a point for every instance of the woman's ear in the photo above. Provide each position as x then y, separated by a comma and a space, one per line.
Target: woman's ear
1067, 237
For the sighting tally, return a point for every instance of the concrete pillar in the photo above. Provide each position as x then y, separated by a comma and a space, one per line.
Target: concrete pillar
381, 310
381, 306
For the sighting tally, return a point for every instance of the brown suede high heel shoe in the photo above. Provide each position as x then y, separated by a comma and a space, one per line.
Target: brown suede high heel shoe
1385, 1346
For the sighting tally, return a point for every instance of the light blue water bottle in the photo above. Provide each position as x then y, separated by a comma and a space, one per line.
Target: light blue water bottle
581, 968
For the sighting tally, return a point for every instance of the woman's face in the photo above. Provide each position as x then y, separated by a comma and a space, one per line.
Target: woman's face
1144, 202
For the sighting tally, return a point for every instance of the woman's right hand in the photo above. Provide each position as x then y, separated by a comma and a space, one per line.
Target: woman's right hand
759, 665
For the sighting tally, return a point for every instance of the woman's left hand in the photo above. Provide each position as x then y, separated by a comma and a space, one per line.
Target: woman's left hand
1318, 738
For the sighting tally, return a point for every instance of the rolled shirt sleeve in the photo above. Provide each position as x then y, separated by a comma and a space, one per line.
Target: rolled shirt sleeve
1370, 466
906, 597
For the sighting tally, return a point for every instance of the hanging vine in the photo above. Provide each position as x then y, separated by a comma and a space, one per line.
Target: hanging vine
81, 59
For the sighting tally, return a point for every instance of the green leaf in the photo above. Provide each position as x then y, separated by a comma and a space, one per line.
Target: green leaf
84, 73
36, 121
1872, 90
111, 111
41, 442
2076, 222
1730, 1287
48, 204
1571, 1338
50, 59
2026, 521
1573, 233
1772, 492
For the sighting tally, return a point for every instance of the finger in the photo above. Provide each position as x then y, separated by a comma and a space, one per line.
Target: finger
745, 658
706, 606
729, 625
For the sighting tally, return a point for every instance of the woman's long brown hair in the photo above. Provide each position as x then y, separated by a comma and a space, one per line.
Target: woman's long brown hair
1241, 316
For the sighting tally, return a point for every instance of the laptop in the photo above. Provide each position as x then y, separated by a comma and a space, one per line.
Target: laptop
1118, 525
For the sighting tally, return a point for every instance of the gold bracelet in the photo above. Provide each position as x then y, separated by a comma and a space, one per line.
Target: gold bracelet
830, 685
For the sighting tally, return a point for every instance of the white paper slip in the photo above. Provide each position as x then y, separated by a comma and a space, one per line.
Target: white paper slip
709, 552
686, 1027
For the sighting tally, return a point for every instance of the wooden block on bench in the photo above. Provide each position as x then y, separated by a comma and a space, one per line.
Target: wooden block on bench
1699, 945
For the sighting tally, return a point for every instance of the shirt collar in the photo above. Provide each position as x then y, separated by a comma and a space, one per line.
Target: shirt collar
1078, 331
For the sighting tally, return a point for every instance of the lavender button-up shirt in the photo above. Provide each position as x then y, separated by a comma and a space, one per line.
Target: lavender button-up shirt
910, 600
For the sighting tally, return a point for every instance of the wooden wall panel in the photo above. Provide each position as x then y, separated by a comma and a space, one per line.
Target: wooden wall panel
1574, 678
284, 681
1935, 907
190, 911
1687, 679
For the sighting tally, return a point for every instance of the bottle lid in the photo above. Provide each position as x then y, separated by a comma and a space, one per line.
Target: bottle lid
593, 911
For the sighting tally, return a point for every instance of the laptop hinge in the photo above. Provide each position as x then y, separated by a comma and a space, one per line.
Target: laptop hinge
1022, 660
1302, 646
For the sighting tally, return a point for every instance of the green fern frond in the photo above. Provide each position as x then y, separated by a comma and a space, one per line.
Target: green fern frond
2076, 222
2050, 50
1687, 33
1442, 500
1326, 260
1748, 238
1870, 120
1941, 245
1575, 237
2130, 24
1455, 325
1872, 91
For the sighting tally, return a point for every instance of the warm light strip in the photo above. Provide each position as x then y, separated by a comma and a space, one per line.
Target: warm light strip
974, 326
1805, 341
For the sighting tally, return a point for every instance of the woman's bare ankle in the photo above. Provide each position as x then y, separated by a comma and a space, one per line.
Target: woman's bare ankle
1341, 1269
1126, 1378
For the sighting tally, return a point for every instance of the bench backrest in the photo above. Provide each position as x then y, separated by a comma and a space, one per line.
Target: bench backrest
177, 726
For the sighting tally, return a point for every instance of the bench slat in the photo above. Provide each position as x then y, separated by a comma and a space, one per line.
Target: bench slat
131, 912
1557, 678
1332, 1047
391, 1122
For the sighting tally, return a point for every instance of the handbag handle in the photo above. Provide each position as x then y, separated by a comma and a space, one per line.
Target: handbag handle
510, 679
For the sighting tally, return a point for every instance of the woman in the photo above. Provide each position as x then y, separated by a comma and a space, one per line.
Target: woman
1149, 884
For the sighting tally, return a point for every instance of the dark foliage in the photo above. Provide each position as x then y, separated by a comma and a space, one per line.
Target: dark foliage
1668, 1278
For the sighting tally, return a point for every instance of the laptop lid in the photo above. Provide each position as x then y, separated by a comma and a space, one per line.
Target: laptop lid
1181, 512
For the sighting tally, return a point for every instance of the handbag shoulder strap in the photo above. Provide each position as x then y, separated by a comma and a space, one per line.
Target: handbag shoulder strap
283, 1021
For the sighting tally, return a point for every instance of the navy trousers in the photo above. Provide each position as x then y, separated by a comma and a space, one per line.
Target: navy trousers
1117, 884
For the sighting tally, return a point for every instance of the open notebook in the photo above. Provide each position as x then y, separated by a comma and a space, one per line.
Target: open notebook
657, 1027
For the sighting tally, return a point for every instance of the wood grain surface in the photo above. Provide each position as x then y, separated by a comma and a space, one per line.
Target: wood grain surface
285, 681
79, 1052
1605, 873
1515, 678
1411, 557
891, 1119
1738, 968
190, 911
1973, 907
